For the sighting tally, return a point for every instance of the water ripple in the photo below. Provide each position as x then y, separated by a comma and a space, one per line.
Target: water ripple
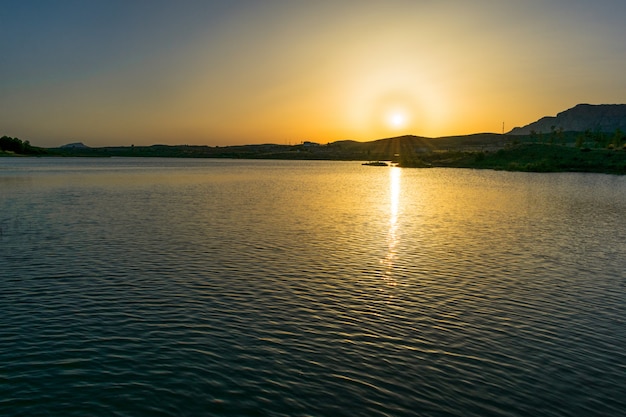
282, 288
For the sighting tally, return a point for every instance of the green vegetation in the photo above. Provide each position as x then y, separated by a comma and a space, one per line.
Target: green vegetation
14, 146
600, 140
556, 151
533, 157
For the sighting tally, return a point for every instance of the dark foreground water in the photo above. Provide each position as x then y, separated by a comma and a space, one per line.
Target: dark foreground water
149, 287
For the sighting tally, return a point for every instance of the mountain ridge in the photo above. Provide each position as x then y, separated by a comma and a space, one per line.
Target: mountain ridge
594, 117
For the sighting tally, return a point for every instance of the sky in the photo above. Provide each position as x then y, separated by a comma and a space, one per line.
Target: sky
233, 72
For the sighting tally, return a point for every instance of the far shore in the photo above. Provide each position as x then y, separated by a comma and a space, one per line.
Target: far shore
479, 151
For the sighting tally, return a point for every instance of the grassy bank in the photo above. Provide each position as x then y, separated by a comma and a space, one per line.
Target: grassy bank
529, 158
480, 151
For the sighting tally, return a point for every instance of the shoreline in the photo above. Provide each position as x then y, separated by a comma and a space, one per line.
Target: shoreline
406, 152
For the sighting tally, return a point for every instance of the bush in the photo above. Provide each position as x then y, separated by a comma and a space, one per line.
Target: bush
15, 145
11, 144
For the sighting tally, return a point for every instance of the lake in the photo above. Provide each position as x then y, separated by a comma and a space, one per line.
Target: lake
195, 287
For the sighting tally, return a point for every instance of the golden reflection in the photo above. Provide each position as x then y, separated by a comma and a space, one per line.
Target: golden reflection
392, 237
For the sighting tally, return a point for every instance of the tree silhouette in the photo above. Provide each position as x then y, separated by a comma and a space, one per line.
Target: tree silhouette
9, 144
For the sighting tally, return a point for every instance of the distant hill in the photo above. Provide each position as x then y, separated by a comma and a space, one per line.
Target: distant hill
76, 145
381, 149
597, 118
558, 152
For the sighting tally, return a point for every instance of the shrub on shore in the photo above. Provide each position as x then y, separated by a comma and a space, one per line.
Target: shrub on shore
17, 146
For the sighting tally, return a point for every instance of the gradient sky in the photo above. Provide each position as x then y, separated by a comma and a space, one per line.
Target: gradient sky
284, 71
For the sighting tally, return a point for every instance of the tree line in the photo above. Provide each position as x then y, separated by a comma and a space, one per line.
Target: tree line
15, 145
586, 139
601, 140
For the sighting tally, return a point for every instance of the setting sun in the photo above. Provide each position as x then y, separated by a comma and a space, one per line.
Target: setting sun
397, 119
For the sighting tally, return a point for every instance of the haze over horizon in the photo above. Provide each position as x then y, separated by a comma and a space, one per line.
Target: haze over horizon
241, 72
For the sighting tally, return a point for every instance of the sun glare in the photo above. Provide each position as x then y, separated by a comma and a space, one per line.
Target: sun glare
396, 119
392, 238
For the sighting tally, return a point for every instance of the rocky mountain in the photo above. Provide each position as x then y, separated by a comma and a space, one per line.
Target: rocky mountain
600, 117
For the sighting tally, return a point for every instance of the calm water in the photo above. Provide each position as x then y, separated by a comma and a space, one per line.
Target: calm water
164, 287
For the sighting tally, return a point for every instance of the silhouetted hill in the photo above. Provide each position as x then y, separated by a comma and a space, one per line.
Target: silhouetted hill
75, 145
383, 149
555, 152
596, 118
469, 142
388, 147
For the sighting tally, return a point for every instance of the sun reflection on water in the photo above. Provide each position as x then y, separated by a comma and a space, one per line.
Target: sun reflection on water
392, 237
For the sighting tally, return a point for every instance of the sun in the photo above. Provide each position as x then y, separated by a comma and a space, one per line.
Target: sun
396, 119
